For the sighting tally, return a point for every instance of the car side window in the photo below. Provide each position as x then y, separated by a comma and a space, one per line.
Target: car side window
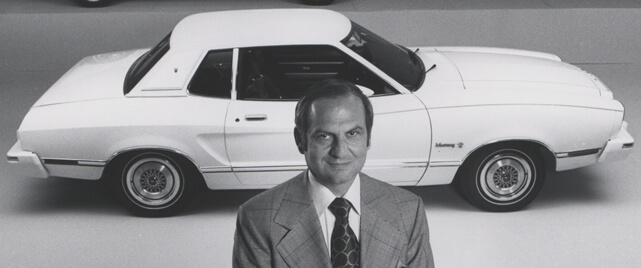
214, 75
286, 72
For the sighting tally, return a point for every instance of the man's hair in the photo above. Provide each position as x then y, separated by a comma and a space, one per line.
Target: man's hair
330, 89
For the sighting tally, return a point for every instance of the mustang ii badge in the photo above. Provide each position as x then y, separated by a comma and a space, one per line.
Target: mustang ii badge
451, 145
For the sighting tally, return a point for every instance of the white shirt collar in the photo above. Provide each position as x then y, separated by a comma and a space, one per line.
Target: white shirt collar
322, 196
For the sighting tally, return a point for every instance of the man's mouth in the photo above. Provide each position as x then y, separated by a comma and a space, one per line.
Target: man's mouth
342, 163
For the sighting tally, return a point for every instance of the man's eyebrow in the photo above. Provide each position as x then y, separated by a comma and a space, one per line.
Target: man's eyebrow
321, 130
318, 130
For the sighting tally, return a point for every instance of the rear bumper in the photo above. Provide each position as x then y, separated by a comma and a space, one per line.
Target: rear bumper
619, 147
28, 163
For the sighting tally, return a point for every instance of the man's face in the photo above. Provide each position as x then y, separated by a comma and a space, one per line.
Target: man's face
336, 140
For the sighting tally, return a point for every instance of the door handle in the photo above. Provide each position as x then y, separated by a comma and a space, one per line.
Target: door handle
255, 117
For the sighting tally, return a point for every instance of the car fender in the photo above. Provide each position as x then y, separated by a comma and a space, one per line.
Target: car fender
554, 127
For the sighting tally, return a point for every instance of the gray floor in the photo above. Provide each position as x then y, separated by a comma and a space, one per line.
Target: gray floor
583, 218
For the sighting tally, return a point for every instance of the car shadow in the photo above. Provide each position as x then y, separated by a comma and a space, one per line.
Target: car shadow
58, 195
219, 201
573, 186
441, 197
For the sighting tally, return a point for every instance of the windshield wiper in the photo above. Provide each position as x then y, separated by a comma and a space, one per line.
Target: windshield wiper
417, 61
429, 69
415, 58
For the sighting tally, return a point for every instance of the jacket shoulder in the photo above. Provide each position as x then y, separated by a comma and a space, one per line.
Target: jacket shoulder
271, 198
400, 195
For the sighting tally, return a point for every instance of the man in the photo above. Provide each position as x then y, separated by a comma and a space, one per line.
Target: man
332, 215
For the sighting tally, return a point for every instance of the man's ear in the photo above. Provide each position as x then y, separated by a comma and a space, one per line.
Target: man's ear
300, 143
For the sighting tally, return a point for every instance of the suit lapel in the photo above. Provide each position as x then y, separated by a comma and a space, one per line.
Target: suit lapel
379, 232
303, 245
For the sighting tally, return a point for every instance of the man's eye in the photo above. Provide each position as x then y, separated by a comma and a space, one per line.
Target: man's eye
323, 136
352, 133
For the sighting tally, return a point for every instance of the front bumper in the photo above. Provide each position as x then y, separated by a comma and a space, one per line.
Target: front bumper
619, 147
28, 163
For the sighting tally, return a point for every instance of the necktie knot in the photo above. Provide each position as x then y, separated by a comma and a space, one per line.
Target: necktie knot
340, 208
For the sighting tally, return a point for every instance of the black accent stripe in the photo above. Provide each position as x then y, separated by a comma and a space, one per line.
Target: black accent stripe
583, 152
628, 145
61, 162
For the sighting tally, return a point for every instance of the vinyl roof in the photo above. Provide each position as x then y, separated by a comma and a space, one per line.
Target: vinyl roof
260, 27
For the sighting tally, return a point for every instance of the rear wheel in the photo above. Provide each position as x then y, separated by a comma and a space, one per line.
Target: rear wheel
156, 184
502, 178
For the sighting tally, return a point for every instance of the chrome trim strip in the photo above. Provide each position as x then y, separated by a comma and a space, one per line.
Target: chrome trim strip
578, 153
270, 168
382, 165
74, 162
445, 164
561, 155
93, 163
221, 169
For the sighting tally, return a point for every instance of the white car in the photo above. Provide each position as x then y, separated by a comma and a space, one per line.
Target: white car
214, 105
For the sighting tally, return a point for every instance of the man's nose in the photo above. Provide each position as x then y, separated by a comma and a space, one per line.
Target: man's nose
339, 148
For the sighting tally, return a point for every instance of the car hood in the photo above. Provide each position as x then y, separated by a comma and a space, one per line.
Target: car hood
94, 77
494, 68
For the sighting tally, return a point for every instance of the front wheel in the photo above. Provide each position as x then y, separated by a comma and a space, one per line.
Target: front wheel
155, 184
502, 178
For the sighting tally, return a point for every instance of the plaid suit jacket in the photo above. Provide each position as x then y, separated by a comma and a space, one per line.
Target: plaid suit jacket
280, 228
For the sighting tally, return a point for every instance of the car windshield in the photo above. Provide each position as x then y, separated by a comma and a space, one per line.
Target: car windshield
143, 64
400, 63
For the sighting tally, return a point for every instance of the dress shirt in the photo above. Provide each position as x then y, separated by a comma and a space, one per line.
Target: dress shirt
322, 197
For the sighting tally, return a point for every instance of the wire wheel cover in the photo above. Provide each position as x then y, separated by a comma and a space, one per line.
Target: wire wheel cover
153, 181
505, 177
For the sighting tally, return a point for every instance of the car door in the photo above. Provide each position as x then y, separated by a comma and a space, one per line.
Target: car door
210, 91
260, 119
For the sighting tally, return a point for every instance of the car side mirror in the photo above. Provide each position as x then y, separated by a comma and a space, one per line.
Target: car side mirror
366, 91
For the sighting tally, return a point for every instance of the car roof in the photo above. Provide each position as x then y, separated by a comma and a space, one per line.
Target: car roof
260, 27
